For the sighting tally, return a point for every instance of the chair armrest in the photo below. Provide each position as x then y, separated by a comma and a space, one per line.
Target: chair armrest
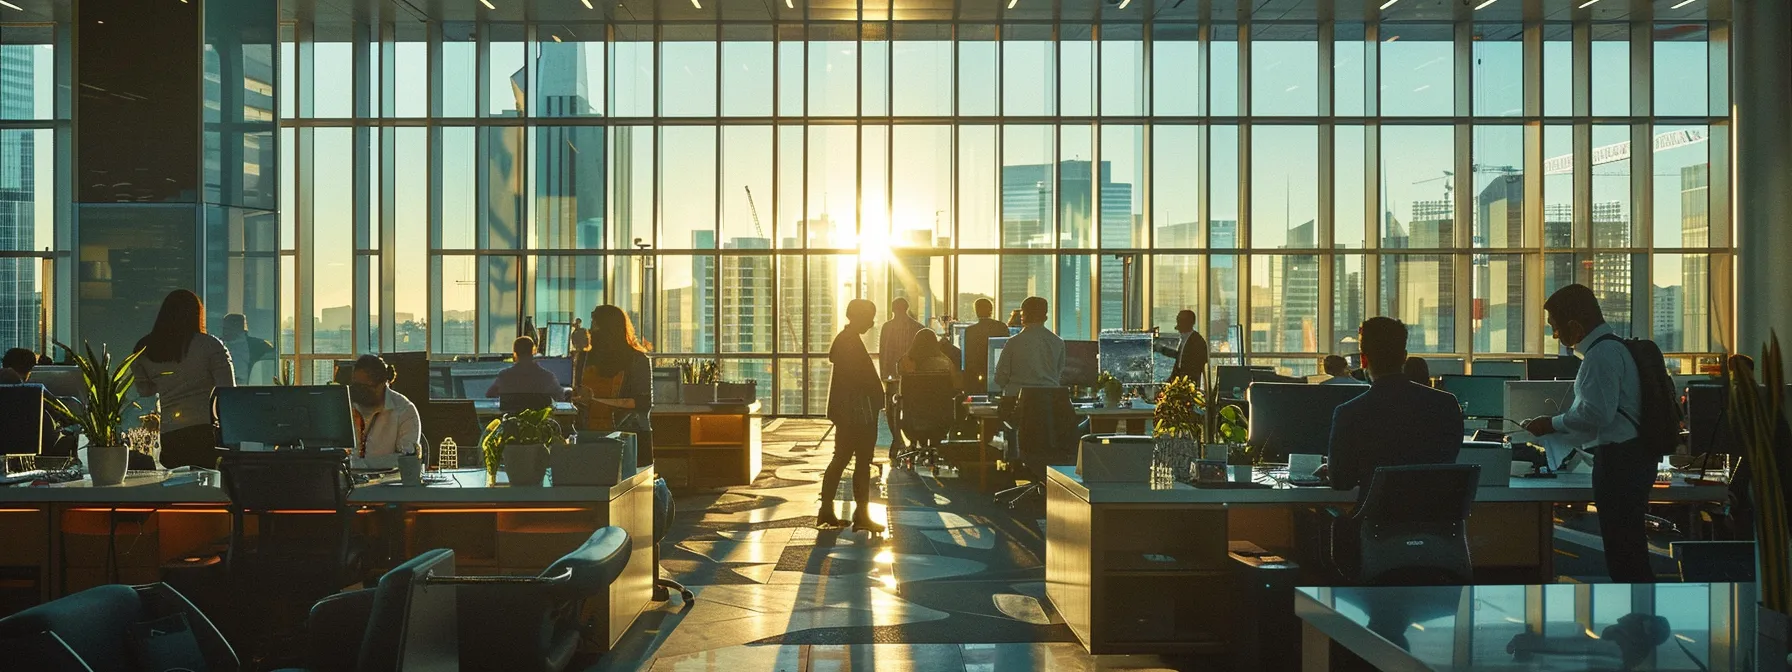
564, 577
336, 627
161, 599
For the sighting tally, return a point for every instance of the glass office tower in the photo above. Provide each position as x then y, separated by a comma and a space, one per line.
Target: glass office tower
732, 174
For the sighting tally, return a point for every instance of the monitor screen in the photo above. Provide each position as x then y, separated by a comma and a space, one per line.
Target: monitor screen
1231, 381
1295, 418
1166, 349
23, 408
1082, 363
1484, 395
996, 343
1511, 369
958, 329
61, 380
315, 416
1526, 399
1708, 428
1014, 331
1551, 368
1128, 357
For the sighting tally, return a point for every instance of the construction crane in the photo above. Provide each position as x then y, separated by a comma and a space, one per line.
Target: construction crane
1449, 176
783, 315
755, 210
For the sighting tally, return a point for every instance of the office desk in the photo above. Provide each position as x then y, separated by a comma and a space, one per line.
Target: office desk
61, 537
708, 445
1132, 420
1470, 627
1115, 551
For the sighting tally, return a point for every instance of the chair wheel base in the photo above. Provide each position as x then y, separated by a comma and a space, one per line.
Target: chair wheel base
662, 591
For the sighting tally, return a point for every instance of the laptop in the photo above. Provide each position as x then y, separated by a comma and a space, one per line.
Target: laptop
1495, 460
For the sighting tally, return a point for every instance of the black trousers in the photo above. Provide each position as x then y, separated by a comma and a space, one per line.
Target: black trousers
1623, 474
852, 443
195, 446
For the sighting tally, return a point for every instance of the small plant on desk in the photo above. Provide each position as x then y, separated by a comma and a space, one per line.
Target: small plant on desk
528, 428
1234, 430
1110, 388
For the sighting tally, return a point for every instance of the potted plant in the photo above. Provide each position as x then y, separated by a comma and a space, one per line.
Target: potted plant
1111, 390
521, 443
700, 380
1758, 418
102, 412
1233, 431
1177, 424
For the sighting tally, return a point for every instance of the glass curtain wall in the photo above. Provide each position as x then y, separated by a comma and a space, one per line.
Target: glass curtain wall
733, 182
34, 212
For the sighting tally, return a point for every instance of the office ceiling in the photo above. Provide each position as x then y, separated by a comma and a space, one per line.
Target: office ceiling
576, 11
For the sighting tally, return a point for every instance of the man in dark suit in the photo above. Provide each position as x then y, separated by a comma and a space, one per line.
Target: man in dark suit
1397, 421
1191, 355
976, 346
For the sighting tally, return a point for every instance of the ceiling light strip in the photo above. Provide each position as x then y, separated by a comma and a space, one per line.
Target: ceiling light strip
488, 4
587, 4
1588, 3
1683, 3
1485, 4
1389, 3
11, 6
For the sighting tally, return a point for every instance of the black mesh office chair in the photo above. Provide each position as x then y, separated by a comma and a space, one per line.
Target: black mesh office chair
1046, 432
296, 556
512, 403
1411, 527
926, 403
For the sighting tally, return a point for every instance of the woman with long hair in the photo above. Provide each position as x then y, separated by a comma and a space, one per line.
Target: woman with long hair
926, 356
616, 387
183, 364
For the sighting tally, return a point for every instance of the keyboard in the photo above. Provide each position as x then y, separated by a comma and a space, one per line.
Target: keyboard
1308, 481
23, 477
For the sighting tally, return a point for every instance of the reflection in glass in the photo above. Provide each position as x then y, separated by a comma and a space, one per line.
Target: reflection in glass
1418, 67
1284, 69
1498, 74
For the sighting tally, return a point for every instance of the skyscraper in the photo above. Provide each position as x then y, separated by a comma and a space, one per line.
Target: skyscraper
1499, 287
1295, 319
1421, 289
569, 166
1695, 269
21, 300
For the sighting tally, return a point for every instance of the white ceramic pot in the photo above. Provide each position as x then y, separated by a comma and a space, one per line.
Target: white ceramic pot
526, 465
106, 464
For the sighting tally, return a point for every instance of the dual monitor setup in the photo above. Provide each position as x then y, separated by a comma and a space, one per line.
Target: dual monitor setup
1128, 355
249, 417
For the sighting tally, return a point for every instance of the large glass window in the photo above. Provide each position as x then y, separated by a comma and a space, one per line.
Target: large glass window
732, 184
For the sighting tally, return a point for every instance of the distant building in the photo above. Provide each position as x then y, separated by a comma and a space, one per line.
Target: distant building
21, 299
1666, 305
1696, 316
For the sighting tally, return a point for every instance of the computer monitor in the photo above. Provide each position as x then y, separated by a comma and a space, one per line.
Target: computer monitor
1443, 366
1082, 363
957, 335
23, 408
1551, 368
996, 343
1509, 368
1708, 429
315, 416
1231, 381
1526, 399
61, 380
1127, 355
1014, 331
1484, 395
1269, 375
1683, 382
1290, 418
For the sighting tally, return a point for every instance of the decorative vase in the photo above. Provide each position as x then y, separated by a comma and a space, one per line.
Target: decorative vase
106, 464
526, 465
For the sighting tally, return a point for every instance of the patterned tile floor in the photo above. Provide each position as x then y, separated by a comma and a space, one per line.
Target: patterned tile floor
956, 584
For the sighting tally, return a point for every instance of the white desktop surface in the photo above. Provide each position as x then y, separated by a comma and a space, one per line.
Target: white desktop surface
1563, 488
468, 487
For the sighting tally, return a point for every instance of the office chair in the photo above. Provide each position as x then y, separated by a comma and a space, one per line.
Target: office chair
543, 616
926, 404
90, 630
665, 509
409, 621
1411, 527
1715, 561
296, 557
512, 403
1046, 432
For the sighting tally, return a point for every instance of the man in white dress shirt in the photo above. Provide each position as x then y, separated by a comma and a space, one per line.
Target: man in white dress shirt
1604, 420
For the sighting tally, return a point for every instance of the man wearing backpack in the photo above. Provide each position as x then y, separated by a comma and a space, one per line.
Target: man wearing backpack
1607, 420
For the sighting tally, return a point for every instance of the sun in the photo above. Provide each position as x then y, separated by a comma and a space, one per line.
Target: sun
874, 246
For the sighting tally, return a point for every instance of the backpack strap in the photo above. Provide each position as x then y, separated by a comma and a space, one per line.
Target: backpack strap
1614, 337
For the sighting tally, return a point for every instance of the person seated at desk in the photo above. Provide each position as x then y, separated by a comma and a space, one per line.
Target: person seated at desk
386, 423
1419, 371
1035, 356
1397, 421
16, 366
525, 376
1339, 369
925, 356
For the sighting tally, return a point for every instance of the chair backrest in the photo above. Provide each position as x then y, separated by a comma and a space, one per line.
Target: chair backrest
1413, 524
517, 402
287, 479
928, 403
1715, 561
595, 564
1047, 426
413, 624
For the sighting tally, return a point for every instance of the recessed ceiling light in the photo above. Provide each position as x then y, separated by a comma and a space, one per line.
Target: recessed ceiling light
1389, 3
1683, 3
789, 5
12, 6
487, 3
1012, 3
587, 4
1588, 3
1124, 3
694, 4
1485, 4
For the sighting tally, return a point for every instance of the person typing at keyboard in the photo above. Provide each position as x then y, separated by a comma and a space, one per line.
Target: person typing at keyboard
1397, 422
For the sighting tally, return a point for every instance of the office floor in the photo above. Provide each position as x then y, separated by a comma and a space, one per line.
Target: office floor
957, 584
